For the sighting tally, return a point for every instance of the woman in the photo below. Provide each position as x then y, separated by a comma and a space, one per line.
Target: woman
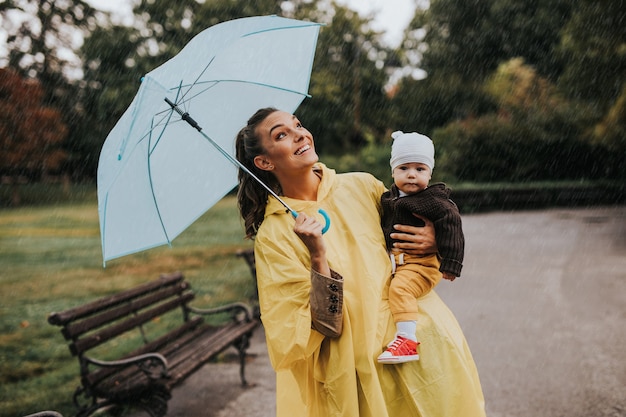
323, 298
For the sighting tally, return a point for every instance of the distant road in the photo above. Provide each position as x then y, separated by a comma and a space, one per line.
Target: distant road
542, 301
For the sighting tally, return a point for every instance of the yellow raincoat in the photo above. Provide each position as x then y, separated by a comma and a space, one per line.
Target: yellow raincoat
324, 377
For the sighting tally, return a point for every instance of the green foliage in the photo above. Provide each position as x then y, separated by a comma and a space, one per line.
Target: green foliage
423, 105
610, 135
470, 38
45, 194
461, 43
492, 149
113, 68
593, 47
457, 38
348, 99
30, 50
577, 48
373, 158
535, 135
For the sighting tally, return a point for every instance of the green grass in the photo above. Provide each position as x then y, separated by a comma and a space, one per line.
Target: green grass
51, 260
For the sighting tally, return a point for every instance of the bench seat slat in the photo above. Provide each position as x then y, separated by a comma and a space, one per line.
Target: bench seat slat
199, 355
183, 359
154, 346
168, 346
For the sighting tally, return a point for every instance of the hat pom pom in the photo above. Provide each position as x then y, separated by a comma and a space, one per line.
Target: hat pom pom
397, 134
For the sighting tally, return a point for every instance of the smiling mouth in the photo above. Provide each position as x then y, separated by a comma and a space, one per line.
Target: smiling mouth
302, 150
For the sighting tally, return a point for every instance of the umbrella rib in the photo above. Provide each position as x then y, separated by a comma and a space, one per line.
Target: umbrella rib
214, 83
295, 26
163, 121
150, 150
235, 80
190, 86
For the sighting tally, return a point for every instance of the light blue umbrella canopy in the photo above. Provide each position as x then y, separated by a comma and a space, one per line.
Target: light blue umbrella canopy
156, 175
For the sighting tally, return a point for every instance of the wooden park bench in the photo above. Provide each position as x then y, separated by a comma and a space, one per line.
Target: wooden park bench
173, 339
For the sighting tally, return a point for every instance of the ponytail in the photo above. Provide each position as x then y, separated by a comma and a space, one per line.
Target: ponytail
251, 196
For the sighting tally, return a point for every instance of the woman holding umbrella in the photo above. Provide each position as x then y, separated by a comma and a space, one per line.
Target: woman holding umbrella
323, 297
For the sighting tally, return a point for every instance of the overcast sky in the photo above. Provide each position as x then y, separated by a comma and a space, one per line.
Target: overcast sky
390, 16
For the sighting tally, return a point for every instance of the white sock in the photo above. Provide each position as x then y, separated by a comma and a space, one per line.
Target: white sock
408, 329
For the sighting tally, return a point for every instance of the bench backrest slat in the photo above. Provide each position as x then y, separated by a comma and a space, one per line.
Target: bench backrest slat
67, 316
74, 329
90, 341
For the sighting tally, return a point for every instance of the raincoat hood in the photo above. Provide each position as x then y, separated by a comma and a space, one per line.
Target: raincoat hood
328, 177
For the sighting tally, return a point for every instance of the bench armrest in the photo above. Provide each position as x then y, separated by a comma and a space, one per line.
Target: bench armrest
236, 307
152, 364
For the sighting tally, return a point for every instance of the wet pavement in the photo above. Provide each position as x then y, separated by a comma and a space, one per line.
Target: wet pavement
542, 302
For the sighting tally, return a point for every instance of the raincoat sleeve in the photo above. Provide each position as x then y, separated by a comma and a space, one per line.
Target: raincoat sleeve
284, 281
326, 300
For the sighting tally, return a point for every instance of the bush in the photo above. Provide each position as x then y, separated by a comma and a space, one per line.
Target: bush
494, 149
535, 134
373, 158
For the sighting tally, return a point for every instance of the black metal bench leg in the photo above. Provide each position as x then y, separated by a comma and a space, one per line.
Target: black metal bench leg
242, 346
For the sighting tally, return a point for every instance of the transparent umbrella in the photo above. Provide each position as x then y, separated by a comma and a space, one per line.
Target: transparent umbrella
156, 175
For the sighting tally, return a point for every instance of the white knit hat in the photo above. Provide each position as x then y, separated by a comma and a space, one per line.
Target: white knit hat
411, 147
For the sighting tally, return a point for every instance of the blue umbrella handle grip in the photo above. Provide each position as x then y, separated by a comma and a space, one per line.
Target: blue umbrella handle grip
324, 215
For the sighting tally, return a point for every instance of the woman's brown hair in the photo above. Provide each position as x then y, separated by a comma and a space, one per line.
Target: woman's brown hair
251, 196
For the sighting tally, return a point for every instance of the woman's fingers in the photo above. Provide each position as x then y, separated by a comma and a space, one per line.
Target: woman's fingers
415, 240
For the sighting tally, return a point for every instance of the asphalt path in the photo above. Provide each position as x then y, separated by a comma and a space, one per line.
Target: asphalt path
542, 302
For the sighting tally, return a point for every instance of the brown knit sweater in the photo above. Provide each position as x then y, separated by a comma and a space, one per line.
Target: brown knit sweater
434, 204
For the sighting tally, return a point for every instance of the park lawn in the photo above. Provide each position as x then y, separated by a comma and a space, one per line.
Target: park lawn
50, 258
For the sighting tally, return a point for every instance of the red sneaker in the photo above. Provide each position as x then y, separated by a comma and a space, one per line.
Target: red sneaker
400, 350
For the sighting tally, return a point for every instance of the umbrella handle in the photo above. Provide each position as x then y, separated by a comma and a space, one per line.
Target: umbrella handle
320, 211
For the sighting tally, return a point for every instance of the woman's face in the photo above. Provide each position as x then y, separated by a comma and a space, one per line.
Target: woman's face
288, 145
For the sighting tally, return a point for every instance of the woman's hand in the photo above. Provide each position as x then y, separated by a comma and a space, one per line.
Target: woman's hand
309, 230
415, 240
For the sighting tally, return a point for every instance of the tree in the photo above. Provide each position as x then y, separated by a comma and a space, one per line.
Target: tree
460, 43
43, 36
536, 133
610, 134
31, 133
530, 29
112, 67
593, 47
470, 38
42, 40
349, 107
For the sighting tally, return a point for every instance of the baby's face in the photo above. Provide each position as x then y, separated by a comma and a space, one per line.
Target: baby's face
411, 177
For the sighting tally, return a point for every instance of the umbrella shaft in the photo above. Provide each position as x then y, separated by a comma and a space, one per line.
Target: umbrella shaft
185, 116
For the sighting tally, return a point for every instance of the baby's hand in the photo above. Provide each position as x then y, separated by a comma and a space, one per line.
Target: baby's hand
448, 276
